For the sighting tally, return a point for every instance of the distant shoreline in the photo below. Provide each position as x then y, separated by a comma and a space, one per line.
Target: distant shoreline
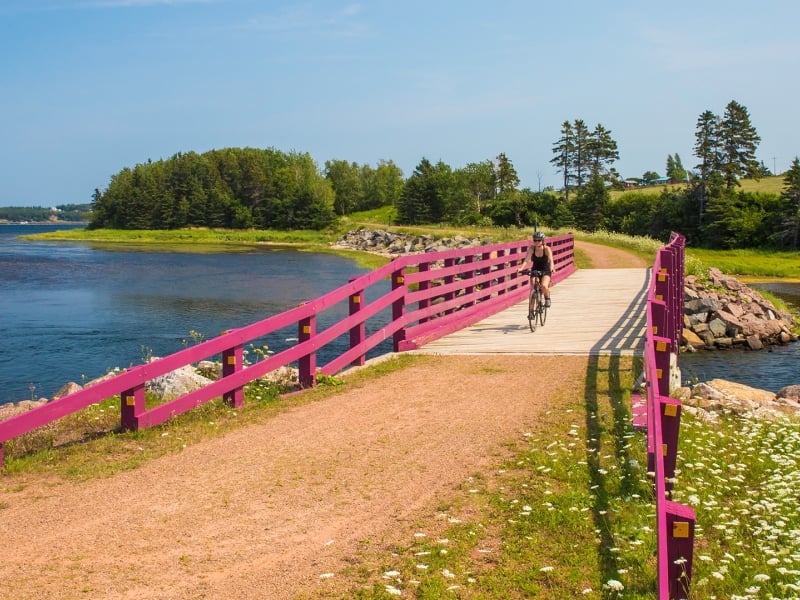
38, 223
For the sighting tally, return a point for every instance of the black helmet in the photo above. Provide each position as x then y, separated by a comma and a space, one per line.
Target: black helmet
538, 236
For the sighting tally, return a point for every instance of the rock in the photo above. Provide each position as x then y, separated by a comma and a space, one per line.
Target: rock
717, 327
177, 383
789, 392
9, 410
702, 305
65, 390
719, 395
690, 338
754, 342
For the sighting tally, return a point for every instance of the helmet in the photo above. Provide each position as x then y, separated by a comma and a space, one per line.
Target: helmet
538, 236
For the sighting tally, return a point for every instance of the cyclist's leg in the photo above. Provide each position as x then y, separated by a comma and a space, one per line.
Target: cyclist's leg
546, 289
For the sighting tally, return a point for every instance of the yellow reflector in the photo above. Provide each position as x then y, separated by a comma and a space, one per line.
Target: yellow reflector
307, 329
356, 299
664, 449
659, 373
661, 346
670, 410
231, 360
130, 400
680, 529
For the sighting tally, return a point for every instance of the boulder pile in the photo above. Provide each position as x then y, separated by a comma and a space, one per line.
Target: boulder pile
722, 312
719, 396
389, 243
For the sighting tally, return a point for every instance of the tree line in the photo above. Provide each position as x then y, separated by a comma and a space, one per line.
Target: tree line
270, 189
74, 213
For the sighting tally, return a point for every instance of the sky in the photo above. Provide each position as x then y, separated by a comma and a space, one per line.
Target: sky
90, 87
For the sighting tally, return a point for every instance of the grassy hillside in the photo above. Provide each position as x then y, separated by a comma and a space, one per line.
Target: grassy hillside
769, 185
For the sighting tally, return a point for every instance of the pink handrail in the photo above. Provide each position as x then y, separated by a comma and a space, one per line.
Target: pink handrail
674, 522
431, 295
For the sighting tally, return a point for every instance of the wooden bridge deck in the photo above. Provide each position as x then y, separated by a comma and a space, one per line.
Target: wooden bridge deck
593, 312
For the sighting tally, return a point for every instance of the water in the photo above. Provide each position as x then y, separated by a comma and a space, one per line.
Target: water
73, 311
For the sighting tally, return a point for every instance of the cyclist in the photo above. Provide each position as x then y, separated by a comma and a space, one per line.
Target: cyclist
541, 257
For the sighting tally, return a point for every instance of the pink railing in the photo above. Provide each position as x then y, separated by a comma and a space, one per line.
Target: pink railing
675, 522
431, 295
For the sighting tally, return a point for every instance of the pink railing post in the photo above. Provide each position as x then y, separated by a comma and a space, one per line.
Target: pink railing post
449, 262
469, 259
398, 308
680, 529
662, 347
486, 270
425, 284
132, 404
670, 415
232, 362
357, 333
501, 279
307, 364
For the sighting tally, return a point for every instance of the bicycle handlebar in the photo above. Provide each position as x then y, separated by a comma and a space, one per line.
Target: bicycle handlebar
531, 273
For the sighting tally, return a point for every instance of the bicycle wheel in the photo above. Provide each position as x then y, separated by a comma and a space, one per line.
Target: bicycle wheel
542, 310
532, 306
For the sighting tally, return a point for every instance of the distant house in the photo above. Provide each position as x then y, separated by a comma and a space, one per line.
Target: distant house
629, 184
661, 181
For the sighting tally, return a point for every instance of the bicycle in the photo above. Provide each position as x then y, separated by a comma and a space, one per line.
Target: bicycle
537, 308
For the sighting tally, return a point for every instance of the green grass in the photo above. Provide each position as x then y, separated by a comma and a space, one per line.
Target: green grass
741, 473
751, 263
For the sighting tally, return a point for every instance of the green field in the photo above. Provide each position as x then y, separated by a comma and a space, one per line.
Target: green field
768, 185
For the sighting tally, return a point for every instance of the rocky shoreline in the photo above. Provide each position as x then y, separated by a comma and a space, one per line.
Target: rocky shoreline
721, 312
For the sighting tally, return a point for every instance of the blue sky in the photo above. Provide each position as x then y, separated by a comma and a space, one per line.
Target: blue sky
88, 87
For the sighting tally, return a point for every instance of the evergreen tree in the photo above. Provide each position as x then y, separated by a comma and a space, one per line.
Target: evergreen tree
602, 153
581, 153
581, 159
738, 142
791, 205
507, 179
564, 150
421, 199
707, 149
590, 205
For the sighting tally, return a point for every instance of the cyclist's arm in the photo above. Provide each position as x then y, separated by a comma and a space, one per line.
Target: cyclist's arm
550, 258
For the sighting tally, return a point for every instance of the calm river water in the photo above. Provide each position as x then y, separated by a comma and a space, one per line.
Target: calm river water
71, 311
